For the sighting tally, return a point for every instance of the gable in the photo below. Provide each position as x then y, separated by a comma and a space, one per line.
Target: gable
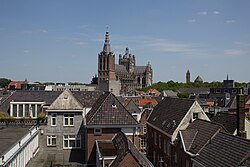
66, 101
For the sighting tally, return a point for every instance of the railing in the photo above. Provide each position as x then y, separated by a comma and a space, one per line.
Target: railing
22, 121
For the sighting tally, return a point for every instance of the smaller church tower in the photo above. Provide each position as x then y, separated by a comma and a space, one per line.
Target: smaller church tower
187, 76
106, 62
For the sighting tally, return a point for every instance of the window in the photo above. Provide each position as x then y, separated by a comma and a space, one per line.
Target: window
143, 142
51, 140
168, 148
218, 90
97, 131
53, 119
164, 146
14, 110
155, 138
68, 120
234, 91
144, 129
226, 91
159, 139
195, 115
71, 141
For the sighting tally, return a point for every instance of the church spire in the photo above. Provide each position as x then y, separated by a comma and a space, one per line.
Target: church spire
106, 47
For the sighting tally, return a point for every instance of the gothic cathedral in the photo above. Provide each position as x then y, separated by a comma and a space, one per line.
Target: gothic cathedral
125, 75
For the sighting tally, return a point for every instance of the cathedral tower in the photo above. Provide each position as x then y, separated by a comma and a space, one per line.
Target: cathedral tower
187, 76
106, 62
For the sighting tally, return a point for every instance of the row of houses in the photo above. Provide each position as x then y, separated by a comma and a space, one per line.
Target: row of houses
101, 129
75, 121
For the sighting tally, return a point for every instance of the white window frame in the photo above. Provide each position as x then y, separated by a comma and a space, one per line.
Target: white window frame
68, 117
53, 116
50, 140
143, 142
74, 138
195, 115
97, 131
144, 129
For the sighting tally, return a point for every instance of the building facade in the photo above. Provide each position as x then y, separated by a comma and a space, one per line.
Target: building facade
126, 73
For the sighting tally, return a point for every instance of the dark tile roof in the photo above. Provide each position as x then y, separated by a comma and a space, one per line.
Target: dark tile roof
132, 107
194, 90
87, 98
188, 136
169, 112
140, 69
205, 130
29, 96
224, 150
120, 68
229, 121
124, 146
107, 110
11, 135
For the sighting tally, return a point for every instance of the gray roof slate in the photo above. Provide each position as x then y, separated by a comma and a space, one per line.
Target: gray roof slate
169, 112
224, 150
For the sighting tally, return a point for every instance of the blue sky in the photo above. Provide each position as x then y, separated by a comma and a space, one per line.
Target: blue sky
59, 40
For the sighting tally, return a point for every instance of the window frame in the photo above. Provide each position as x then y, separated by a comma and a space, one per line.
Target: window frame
97, 131
195, 115
50, 140
68, 118
143, 143
53, 116
69, 138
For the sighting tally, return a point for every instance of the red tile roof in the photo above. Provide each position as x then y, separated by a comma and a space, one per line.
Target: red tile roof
16, 84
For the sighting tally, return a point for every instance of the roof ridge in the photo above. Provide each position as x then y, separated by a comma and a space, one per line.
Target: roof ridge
216, 123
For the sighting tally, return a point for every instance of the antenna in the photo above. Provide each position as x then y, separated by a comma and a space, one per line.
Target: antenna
107, 28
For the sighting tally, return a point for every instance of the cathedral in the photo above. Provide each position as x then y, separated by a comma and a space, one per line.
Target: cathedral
124, 76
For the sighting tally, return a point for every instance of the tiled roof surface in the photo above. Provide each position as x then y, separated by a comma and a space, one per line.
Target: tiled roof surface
30, 96
169, 112
132, 107
229, 121
188, 136
125, 146
87, 98
17, 84
205, 131
224, 150
107, 110
197, 90
120, 68
140, 69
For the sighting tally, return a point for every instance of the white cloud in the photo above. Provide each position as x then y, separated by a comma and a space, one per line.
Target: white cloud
80, 43
216, 12
191, 20
202, 13
165, 46
26, 51
230, 21
234, 52
42, 30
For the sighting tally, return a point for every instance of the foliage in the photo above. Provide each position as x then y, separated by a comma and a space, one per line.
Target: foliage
3, 115
183, 95
4, 82
171, 85
75, 83
41, 115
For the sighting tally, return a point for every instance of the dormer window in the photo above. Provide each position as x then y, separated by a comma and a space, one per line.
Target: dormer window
113, 104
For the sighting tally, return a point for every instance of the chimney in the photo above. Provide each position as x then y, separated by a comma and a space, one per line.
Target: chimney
241, 116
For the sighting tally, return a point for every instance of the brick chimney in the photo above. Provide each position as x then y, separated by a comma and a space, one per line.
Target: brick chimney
241, 116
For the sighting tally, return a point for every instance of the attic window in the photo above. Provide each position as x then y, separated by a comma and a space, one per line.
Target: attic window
97, 131
113, 104
195, 115
65, 97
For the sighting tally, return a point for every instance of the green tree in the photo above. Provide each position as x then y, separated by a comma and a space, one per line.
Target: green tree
4, 82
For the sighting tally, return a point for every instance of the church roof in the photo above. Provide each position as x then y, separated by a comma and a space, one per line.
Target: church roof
106, 47
120, 68
198, 79
140, 69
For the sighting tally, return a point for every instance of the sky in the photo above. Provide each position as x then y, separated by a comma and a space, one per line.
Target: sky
59, 40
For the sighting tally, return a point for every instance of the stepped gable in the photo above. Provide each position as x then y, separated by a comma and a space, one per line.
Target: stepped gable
169, 112
108, 110
224, 150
